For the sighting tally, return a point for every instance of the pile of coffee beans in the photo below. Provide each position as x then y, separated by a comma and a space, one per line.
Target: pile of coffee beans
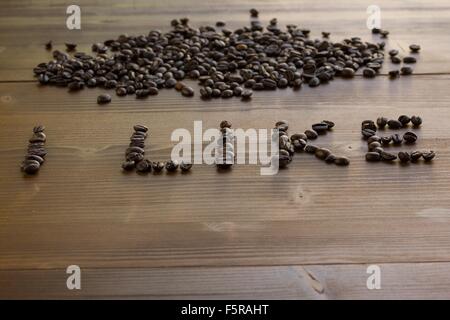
376, 144
135, 156
36, 151
224, 152
226, 63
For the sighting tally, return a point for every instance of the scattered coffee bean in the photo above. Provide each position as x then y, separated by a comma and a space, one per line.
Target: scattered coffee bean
396, 60
394, 124
386, 140
71, 46
185, 166
49, 45
158, 166
348, 73
374, 145
140, 128
310, 148
103, 98
415, 155
406, 71
171, 165
331, 158
320, 127
374, 139
187, 91
393, 52
36, 151
330, 124
397, 139
128, 165
367, 133
322, 153
428, 156
254, 13
414, 48
144, 166
311, 134
369, 73
342, 161
387, 156
404, 157
368, 124
299, 145
394, 74
298, 136
404, 120
409, 60
410, 137
378, 149
382, 122
373, 156
416, 121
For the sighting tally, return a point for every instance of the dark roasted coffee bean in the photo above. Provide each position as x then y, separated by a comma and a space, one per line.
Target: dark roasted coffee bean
140, 128
38, 137
368, 124
348, 73
386, 140
330, 124
71, 46
378, 149
49, 45
428, 156
396, 60
121, 91
185, 166
311, 134
225, 124
397, 139
416, 155
128, 165
134, 149
299, 145
187, 92
246, 94
310, 148
374, 145
382, 122
342, 161
373, 156
322, 153
404, 119
320, 127
416, 121
393, 52
135, 156
158, 166
410, 137
298, 136
144, 166
331, 158
406, 71
374, 139
152, 91
387, 156
369, 73
314, 82
404, 157
31, 167
220, 24
414, 48
394, 124
367, 133
254, 13
103, 98
39, 128
171, 165
35, 158
227, 94
282, 125
179, 86
409, 60
394, 74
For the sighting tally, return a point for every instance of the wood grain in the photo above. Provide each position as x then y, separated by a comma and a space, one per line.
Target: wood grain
212, 234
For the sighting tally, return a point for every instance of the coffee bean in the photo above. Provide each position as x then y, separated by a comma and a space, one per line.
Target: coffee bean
39, 128
246, 94
314, 82
409, 60
144, 166
378, 149
220, 24
342, 161
396, 60
254, 13
298, 136
394, 74
320, 127
394, 124
227, 94
103, 98
374, 139
410, 137
134, 149
404, 119
414, 48
299, 145
128, 165
393, 52
171, 165
404, 157
369, 73
367, 133
368, 124
386, 140
373, 156
158, 166
71, 46
35, 158
325, 34
135, 156
386, 156
384, 33
428, 156
348, 73
225, 124
179, 86
187, 91
382, 122
406, 71
49, 45
310, 148
416, 121
121, 91
38, 137
311, 134
374, 145
283, 160
415, 155
140, 128
322, 153
331, 158
31, 167
152, 91
397, 139
282, 125
330, 124
185, 166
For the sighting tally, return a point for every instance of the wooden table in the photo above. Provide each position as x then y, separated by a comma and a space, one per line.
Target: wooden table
309, 232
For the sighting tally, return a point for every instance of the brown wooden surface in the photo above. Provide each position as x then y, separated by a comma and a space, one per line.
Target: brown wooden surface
308, 232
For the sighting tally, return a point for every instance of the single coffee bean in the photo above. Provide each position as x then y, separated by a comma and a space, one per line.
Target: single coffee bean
128, 165
369, 73
135, 156
374, 139
394, 74
415, 155
322, 153
314, 82
38, 137
396, 60
134, 149
299, 145
225, 124
140, 128
185, 166
382, 122
298, 136
187, 92
152, 91
374, 145
393, 52
410, 137
409, 60
320, 127
144, 166
394, 124
71, 46
330, 124
254, 13
387, 156
35, 158
310, 148
311, 134
368, 124
404, 119
414, 48
373, 156
103, 98
158, 166
406, 71
342, 161
367, 133
31, 167
386, 140
404, 157
416, 121
283, 160
121, 91
246, 94
428, 156
179, 86
49, 45
397, 139
348, 73
172, 165
378, 149
331, 158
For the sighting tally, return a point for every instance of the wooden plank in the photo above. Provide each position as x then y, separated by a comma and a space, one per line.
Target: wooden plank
81, 208
24, 31
406, 281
